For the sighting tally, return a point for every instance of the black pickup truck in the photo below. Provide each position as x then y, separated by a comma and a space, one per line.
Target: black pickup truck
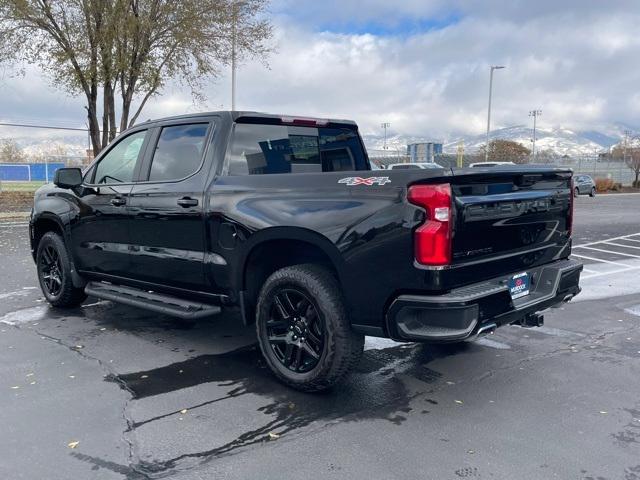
284, 217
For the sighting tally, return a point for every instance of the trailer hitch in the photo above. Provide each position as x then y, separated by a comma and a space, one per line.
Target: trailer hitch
532, 320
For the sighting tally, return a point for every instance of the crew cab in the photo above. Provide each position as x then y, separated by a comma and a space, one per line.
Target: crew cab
284, 218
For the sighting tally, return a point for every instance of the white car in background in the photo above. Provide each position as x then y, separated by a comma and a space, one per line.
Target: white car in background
406, 166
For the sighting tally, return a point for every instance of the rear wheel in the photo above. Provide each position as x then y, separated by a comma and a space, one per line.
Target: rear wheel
303, 328
54, 272
592, 193
576, 192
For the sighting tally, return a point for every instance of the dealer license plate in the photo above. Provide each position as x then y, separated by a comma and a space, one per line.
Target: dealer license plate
519, 285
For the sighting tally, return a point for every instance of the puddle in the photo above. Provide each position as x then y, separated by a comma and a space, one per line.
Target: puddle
376, 390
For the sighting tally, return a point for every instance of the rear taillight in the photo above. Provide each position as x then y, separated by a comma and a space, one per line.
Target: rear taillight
433, 238
570, 213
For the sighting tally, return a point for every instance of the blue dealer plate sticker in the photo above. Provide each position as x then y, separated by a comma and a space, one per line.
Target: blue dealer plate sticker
519, 285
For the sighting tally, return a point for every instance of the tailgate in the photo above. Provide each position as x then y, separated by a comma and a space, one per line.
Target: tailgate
514, 216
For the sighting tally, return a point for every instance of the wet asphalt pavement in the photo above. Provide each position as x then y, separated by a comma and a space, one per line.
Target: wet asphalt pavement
147, 396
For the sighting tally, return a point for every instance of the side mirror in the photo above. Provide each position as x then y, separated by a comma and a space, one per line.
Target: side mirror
68, 177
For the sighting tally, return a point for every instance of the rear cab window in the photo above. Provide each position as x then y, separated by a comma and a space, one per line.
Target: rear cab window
259, 149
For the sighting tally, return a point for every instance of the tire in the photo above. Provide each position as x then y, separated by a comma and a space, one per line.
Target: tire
592, 193
285, 315
56, 283
576, 192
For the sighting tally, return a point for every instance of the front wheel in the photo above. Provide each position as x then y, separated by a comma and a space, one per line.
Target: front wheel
576, 192
593, 192
303, 328
54, 272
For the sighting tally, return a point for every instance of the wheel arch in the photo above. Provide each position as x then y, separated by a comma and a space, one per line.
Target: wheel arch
276, 248
49, 222
44, 223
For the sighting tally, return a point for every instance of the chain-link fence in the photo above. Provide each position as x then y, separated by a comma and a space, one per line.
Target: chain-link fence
597, 166
383, 158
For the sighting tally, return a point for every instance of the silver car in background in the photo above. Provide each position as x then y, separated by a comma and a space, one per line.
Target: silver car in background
584, 185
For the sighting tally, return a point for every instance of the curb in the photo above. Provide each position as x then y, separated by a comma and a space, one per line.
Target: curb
15, 215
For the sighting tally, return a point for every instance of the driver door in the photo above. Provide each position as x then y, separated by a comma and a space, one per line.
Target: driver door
100, 236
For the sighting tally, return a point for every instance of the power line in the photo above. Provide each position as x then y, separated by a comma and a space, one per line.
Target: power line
42, 126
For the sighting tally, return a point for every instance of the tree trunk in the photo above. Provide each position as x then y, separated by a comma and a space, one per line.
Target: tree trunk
92, 115
113, 131
107, 92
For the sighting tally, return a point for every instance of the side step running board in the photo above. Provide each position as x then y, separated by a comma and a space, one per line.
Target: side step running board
157, 302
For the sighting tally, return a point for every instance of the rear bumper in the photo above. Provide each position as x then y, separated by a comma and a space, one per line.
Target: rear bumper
465, 311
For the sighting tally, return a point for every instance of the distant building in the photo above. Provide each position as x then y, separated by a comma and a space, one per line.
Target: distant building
424, 152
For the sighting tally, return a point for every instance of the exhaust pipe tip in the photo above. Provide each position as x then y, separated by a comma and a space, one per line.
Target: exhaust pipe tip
483, 331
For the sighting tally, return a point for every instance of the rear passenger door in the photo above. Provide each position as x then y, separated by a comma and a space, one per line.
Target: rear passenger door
166, 206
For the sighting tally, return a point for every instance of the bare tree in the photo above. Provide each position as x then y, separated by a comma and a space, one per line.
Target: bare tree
130, 47
630, 154
506, 151
632, 161
10, 152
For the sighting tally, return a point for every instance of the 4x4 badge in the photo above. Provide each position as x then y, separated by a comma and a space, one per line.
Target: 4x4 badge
365, 181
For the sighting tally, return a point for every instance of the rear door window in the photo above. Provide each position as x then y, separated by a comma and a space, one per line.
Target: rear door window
179, 151
265, 149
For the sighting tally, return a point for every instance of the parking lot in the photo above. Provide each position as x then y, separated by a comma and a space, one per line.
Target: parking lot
147, 396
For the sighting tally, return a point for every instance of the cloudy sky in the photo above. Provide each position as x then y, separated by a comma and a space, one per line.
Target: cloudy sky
421, 65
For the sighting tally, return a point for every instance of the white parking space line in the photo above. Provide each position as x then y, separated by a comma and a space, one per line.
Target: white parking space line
630, 240
612, 252
612, 272
599, 260
589, 271
609, 240
621, 245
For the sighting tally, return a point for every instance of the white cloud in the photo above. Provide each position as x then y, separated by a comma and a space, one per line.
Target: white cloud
576, 60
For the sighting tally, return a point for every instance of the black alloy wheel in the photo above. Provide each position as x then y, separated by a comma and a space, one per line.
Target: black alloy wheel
55, 272
296, 331
51, 271
303, 329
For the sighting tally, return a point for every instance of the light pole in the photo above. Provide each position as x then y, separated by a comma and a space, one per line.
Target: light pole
535, 114
385, 125
233, 56
486, 150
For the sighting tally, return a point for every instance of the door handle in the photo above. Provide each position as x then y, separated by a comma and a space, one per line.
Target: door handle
118, 201
187, 202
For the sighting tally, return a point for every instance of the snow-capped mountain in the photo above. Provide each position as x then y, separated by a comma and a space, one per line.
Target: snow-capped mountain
62, 145
561, 141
